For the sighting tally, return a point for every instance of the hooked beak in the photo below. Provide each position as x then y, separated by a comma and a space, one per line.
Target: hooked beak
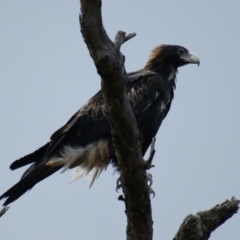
191, 58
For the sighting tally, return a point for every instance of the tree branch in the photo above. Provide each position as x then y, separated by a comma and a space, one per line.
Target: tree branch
126, 137
122, 38
4, 210
201, 225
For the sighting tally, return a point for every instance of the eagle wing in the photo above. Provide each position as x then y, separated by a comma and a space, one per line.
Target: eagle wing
88, 125
91, 122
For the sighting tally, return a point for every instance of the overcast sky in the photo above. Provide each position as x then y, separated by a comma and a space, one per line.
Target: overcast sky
47, 74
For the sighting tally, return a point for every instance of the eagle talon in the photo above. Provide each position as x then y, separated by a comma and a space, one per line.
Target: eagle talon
149, 179
151, 191
119, 185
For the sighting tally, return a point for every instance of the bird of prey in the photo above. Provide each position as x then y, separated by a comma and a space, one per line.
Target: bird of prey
85, 142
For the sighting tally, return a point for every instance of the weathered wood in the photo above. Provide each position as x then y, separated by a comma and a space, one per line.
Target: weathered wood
126, 137
201, 225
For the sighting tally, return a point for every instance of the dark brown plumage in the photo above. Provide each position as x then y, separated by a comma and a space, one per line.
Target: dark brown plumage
85, 140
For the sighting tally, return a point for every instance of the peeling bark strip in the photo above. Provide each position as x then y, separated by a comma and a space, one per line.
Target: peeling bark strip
126, 137
201, 225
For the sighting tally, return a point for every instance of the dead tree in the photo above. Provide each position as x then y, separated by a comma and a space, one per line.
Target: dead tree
126, 137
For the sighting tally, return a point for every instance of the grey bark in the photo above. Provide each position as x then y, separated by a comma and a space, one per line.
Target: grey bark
201, 225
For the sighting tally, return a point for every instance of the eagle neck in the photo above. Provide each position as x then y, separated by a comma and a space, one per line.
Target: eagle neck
168, 73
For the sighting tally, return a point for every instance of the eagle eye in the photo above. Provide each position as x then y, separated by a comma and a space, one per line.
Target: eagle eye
181, 51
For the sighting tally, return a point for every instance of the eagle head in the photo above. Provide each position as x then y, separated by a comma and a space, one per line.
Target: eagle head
170, 55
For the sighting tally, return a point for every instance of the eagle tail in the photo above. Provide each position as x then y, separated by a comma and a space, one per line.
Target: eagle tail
15, 192
34, 174
30, 158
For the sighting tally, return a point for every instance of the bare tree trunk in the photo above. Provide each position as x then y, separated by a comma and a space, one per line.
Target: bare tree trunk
127, 140
126, 137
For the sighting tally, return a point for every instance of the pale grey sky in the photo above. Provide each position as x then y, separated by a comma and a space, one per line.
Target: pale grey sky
47, 74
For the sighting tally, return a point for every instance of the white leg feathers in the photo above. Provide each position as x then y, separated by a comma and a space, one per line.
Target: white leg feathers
93, 158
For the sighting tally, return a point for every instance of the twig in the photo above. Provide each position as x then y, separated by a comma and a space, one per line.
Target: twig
122, 38
4, 210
